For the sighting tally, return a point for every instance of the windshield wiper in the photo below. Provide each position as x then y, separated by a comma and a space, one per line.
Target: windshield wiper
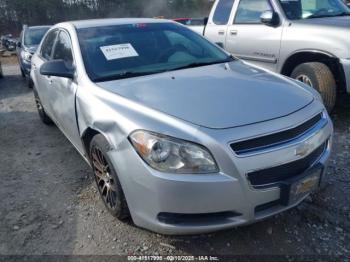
343, 14
199, 64
123, 75
130, 74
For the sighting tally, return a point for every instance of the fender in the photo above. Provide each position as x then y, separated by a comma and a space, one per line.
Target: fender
283, 65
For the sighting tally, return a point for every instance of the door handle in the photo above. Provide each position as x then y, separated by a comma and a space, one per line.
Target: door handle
221, 32
49, 80
233, 32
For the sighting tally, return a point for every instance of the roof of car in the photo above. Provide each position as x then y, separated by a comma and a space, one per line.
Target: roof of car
113, 21
38, 26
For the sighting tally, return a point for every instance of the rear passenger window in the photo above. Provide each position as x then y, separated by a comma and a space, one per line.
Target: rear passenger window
249, 11
222, 12
47, 46
63, 49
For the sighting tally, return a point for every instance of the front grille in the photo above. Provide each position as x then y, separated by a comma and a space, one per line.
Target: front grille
197, 219
281, 173
276, 139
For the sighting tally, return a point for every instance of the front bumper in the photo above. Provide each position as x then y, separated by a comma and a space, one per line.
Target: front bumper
346, 68
25, 66
190, 204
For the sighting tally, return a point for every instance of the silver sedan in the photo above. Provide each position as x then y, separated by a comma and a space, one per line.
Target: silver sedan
181, 136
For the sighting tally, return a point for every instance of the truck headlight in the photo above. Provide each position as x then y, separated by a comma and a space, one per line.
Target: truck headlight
172, 155
26, 56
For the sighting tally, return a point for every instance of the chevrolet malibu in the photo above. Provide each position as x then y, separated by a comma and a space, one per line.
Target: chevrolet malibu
181, 136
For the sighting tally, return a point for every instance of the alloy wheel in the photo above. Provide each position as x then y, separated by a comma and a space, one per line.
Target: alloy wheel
38, 104
104, 179
305, 79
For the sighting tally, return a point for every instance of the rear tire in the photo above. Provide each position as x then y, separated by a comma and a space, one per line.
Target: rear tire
106, 178
30, 83
22, 73
43, 116
320, 77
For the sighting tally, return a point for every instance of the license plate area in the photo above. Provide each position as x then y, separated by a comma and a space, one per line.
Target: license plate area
296, 189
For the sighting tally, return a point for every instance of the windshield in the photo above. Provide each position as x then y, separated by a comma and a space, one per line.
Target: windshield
33, 36
308, 9
123, 51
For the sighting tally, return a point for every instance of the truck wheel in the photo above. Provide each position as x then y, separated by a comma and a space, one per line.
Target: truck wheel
43, 116
320, 77
106, 178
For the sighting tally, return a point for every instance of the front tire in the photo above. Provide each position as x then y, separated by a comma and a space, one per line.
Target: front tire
106, 178
22, 73
43, 116
320, 77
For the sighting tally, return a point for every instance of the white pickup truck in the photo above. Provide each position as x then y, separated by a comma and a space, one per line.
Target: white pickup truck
305, 39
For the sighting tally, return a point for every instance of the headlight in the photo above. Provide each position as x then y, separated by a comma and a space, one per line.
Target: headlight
172, 155
26, 56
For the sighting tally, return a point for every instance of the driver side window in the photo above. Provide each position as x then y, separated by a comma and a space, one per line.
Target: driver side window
47, 46
249, 11
63, 49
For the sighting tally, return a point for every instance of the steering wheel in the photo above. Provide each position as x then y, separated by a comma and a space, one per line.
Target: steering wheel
170, 51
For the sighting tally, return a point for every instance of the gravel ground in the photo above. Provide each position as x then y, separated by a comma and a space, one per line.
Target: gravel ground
50, 205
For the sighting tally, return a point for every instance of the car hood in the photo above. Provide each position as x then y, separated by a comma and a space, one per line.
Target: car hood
216, 96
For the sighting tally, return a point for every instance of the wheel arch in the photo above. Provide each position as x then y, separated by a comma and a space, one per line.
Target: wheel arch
307, 56
87, 136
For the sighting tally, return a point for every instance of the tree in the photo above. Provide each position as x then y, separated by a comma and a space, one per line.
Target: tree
15, 13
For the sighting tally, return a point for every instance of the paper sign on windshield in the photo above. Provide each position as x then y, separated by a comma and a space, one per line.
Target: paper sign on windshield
113, 52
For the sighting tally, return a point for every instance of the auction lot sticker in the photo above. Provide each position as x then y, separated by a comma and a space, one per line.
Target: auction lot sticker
113, 52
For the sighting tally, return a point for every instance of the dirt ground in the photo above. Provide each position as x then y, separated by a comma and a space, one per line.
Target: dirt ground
50, 205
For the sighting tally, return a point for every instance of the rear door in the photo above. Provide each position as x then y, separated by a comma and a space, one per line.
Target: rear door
43, 83
251, 40
63, 91
19, 49
216, 27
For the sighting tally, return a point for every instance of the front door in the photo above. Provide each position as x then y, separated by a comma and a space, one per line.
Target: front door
251, 40
63, 92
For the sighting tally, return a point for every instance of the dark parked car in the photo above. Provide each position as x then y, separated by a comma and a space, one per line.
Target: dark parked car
11, 44
4, 39
8, 42
28, 42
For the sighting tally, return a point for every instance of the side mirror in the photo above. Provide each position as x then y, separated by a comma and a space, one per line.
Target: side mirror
270, 18
56, 68
206, 21
19, 44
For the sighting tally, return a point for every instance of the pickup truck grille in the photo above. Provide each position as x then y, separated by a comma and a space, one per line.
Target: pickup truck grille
264, 142
283, 172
